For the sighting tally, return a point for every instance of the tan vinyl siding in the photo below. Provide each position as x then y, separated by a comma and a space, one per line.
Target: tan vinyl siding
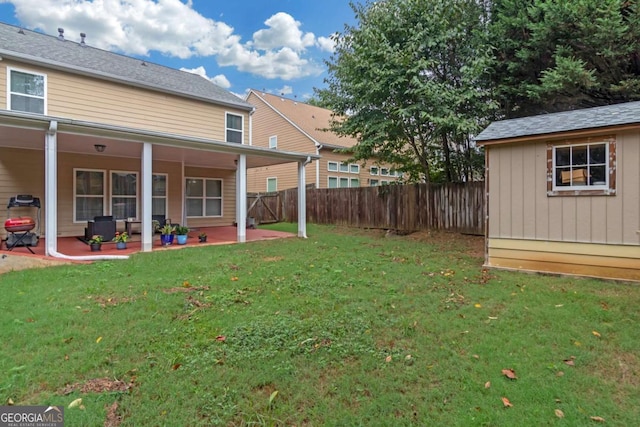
521, 209
3, 87
585, 259
21, 172
89, 99
287, 175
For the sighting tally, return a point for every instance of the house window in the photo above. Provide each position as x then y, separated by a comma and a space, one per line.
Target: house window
27, 92
333, 182
384, 171
384, 182
344, 167
124, 195
582, 168
374, 182
273, 142
272, 185
234, 128
344, 182
354, 182
374, 170
204, 197
332, 166
89, 194
353, 168
159, 190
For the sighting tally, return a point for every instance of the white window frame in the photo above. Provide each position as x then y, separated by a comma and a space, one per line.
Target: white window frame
376, 172
166, 195
273, 142
354, 168
274, 179
353, 181
76, 196
112, 196
334, 178
384, 171
374, 182
229, 129
332, 166
10, 70
344, 167
342, 180
204, 197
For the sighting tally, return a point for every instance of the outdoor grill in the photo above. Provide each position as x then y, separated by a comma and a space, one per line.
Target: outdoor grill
19, 228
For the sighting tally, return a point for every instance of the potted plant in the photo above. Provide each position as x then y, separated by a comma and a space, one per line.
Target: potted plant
121, 240
202, 237
181, 232
166, 234
95, 242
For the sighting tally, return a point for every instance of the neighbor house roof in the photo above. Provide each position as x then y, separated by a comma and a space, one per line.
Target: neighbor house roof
627, 113
52, 52
310, 119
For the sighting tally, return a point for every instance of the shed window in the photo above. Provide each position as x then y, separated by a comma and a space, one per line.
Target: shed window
582, 168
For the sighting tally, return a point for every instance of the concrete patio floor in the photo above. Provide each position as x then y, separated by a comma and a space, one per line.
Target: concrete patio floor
72, 246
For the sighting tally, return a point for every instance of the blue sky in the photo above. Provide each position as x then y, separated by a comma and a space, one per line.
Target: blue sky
272, 45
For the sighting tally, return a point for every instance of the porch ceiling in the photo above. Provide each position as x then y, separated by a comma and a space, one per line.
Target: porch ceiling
81, 138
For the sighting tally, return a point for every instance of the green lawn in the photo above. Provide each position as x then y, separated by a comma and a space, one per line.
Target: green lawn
345, 328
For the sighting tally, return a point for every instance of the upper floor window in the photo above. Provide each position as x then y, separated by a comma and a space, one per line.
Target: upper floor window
273, 142
582, 168
27, 91
234, 128
332, 166
374, 170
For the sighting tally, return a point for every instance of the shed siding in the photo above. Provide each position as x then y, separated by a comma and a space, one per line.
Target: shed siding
584, 235
85, 98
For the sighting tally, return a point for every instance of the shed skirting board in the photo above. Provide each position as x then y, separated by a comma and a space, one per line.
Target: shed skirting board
582, 259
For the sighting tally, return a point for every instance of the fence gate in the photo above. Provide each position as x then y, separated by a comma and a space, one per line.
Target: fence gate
265, 207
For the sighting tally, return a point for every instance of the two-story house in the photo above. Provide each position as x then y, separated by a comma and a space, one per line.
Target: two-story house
91, 132
286, 124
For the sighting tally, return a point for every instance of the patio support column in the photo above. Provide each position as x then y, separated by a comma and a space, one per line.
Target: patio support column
302, 199
146, 169
50, 189
241, 198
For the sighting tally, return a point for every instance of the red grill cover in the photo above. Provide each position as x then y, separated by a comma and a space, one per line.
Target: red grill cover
23, 223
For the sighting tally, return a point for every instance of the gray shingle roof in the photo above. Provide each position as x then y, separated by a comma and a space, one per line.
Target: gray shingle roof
588, 118
68, 55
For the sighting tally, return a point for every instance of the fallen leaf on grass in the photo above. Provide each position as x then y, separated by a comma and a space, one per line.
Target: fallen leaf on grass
387, 359
234, 279
570, 360
487, 384
559, 413
221, 338
78, 402
98, 339
506, 402
477, 305
598, 419
176, 366
509, 373
186, 284
596, 333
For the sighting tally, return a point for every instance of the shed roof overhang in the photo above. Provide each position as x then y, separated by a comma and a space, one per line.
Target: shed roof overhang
24, 130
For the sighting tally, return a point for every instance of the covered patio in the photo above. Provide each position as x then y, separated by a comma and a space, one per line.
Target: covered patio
73, 246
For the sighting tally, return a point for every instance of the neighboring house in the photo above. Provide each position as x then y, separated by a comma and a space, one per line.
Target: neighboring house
286, 124
563, 192
93, 133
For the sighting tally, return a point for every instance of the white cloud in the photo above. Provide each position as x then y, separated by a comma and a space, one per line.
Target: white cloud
286, 90
283, 31
175, 29
220, 80
326, 44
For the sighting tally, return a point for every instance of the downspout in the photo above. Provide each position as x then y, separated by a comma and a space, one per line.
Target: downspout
318, 148
51, 200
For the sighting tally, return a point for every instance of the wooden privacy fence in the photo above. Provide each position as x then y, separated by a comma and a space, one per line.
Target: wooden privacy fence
456, 207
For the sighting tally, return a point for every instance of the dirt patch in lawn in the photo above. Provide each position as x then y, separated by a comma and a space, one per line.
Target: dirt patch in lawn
469, 244
97, 385
10, 262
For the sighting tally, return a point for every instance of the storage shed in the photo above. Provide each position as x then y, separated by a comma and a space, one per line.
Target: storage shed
563, 192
